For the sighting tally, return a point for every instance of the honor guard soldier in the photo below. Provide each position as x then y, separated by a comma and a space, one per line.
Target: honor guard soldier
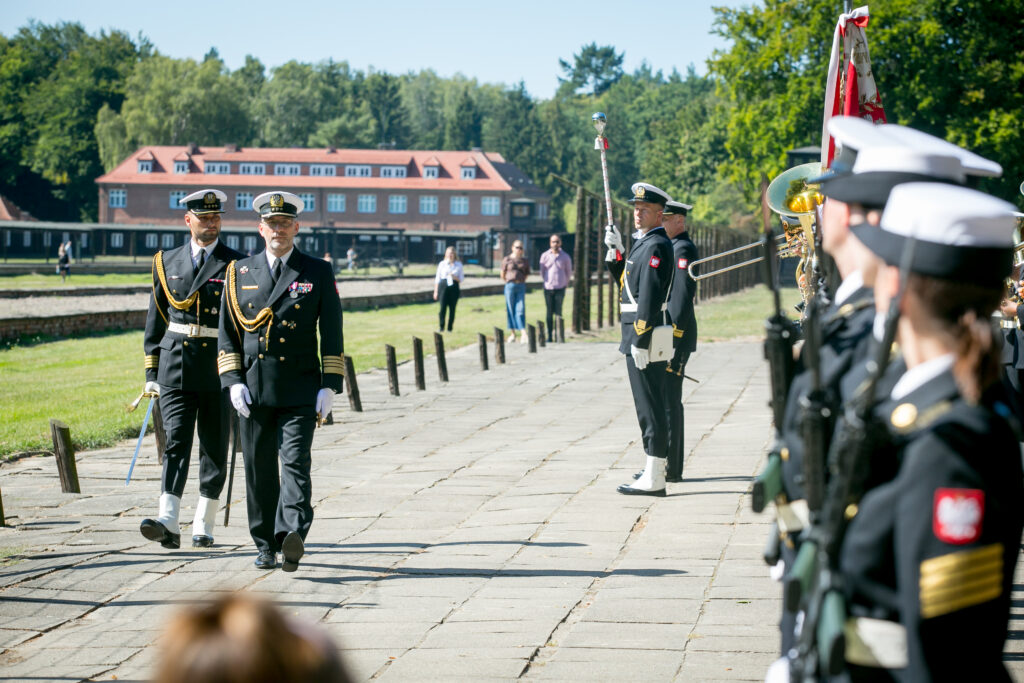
281, 384
684, 331
181, 350
928, 559
644, 278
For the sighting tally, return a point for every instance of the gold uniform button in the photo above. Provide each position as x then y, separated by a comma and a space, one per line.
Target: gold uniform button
297, 306
904, 415
261, 338
206, 310
281, 359
282, 340
216, 292
184, 343
250, 305
261, 356
204, 345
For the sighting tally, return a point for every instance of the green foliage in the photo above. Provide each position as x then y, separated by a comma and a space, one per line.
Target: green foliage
594, 68
382, 93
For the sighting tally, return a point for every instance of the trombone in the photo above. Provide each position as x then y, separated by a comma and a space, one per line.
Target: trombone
789, 244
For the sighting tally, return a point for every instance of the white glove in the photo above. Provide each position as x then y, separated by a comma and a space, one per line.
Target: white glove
613, 238
151, 388
324, 402
241, 399
641, 357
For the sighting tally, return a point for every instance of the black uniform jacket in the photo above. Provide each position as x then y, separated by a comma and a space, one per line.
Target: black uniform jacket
846, 341
268, 332
645, 274
680, 299
173, 358
935, 548
1013, 342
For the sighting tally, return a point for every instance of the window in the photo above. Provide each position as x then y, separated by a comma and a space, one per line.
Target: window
118, 199
521, 210
490, 206
168, 240
336, 203
151, 240
323, 169
309, 199
7, 238
430, 171
367, 203
47, 239
181, 167
252, 169
117, 239
85, 240
459, 206
218, 167
243, 201
176, 197
146, 166
65, 236
357, 171
232, 241
397, 203
365, 238
465, 248
439, 247
392, 171
250, 243
542, 211
468, 172
428, 204
26, 238
286, 169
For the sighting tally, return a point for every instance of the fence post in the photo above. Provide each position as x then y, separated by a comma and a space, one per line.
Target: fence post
353, 389
3, 520
442, 364
389, 352
531, 332
481, 339
417, 361
499, 345
65, 454
561, 329
540, 333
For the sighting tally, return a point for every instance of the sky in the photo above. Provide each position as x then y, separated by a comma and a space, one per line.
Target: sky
490, 41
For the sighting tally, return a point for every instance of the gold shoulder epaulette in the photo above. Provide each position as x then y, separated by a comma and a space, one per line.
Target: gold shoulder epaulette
962, 579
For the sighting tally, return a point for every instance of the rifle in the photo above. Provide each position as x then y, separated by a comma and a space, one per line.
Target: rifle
822, 643
780, 335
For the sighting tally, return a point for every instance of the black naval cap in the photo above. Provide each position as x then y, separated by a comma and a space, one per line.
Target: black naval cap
645, 192
674, 208
278, 203
203, 202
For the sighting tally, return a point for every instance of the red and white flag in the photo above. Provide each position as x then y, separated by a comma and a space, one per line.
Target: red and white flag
851, 92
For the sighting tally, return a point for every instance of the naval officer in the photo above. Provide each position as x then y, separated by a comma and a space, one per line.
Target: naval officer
180, 343
280, 380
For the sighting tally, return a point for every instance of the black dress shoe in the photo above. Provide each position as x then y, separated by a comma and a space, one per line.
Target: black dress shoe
673, 478
155, 531
202, 541
292, 550
266, 560
628, 490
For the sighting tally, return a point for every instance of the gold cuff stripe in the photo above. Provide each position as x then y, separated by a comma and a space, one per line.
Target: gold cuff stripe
228, 362
933, 609
152, 362
962, 579
334, 365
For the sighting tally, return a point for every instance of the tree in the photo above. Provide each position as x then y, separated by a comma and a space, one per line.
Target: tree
382, 94
594, 68
299, 97
463, 128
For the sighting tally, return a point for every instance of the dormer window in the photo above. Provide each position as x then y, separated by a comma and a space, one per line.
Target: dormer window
286, 169
146, 166
430, 171
392, 171
357, 171
468, 173
181, 167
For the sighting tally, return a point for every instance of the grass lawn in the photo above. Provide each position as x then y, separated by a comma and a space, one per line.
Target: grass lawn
88, 382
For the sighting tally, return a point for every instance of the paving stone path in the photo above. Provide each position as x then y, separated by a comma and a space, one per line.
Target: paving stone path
468, 531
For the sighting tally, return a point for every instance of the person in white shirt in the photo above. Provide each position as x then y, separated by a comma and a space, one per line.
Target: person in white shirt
446, 287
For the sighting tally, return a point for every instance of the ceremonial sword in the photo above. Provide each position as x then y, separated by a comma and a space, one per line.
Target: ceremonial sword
142, 432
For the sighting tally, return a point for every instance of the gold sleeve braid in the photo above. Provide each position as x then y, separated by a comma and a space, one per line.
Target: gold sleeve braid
152, 362
180, 304
264, 317
961, 579
334, 365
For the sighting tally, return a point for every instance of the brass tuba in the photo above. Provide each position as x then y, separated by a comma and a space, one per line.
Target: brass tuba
790, 196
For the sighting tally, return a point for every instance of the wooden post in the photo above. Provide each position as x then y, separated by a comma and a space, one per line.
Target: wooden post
159, 432
578, 248
3, 520
499, 345
442, 364
417, 361
389, 353
354, 402
531, 332
541, 337
65, 454
481, 339
584, 284
560, 329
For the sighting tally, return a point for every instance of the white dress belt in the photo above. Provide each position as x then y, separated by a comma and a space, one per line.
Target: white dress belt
193, 330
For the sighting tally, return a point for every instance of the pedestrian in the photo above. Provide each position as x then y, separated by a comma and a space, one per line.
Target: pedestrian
645, 276
180, 343
280, 382
928, 559
64, 260
514, 270
350, 257
446, 287
240, 638
555, 272
684, 332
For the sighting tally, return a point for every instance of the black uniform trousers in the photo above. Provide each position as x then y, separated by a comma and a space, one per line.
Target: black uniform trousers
267, 434
553, 299
448, 295
648, 387
183, 413
674, 415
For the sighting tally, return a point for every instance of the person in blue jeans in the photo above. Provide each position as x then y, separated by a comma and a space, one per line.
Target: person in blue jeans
514, 269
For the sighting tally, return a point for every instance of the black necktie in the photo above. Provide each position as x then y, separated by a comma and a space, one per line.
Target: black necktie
200, 262
277, 271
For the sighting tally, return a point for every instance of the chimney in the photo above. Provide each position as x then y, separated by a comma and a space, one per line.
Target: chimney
193, 149
332, 149
231, 147
476, 149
